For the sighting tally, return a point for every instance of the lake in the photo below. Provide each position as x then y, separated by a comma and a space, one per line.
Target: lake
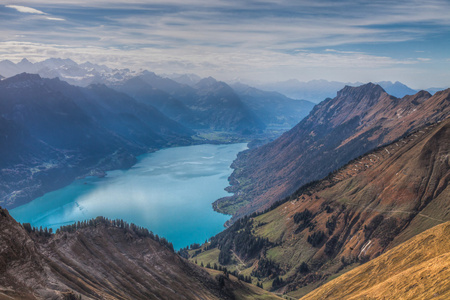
170, 192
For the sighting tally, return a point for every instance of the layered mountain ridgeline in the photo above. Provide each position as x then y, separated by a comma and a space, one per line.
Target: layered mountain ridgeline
66, 69
53, 132
276, 110
416, 269
317, 90
200, 104
208, 105
104, 259
336, 131
373, 203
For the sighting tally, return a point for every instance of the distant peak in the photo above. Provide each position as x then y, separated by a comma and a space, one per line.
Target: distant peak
22, 80
148, 73
25, 77
206, 82
365, 87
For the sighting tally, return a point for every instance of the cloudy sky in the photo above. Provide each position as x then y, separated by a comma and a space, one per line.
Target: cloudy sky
265, 40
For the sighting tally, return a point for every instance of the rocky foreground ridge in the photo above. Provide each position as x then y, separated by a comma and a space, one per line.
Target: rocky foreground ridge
104, 259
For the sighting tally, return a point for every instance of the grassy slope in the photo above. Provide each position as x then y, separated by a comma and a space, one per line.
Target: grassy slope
245, 291
396, 173
416, 269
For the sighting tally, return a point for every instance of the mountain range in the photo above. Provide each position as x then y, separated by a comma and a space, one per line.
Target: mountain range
318, 90
66, 69
88, 73
374, 203
352, 188
54, 132
337, 130
208, 105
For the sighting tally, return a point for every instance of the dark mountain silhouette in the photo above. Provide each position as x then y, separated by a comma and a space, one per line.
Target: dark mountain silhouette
56, 132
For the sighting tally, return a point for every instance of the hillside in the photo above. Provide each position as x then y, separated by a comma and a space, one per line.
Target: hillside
337, 130
370, 205
55, 132
103, 259
416, 269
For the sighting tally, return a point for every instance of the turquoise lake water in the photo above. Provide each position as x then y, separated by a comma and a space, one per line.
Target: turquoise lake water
170, 192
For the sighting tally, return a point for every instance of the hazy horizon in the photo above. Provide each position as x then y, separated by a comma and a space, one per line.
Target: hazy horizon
265, 41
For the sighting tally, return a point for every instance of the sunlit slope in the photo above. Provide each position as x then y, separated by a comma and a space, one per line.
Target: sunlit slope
355, 214
417, 269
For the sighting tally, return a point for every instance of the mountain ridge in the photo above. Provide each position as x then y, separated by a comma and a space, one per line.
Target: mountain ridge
336, 130
104, 259
367, 207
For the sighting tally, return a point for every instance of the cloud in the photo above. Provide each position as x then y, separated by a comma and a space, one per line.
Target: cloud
55, 19
274, 37
25, 9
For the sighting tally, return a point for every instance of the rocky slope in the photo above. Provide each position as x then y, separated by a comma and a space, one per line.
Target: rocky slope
102, 259
336, 131
365, 208
416, 269
54, 132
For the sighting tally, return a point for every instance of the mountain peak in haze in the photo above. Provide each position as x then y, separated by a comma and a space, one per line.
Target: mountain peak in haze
206, 82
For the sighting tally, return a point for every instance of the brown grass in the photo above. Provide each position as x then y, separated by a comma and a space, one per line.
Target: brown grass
416, 269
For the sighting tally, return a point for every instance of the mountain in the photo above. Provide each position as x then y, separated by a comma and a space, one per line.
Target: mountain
188, 79
372, 204
434, 90
396, 89
274, 109
416, 269
337, 130
66, 69
209, 105
318, 90
104, 259
55, 132
218, 104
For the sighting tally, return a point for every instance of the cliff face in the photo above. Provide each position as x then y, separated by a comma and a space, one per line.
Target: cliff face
102, 261
336, 131
358, 212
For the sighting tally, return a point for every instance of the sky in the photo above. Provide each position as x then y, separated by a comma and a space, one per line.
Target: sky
254, 40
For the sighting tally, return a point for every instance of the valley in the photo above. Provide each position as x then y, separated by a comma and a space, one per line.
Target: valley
224, 150
316, 191
169, 191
